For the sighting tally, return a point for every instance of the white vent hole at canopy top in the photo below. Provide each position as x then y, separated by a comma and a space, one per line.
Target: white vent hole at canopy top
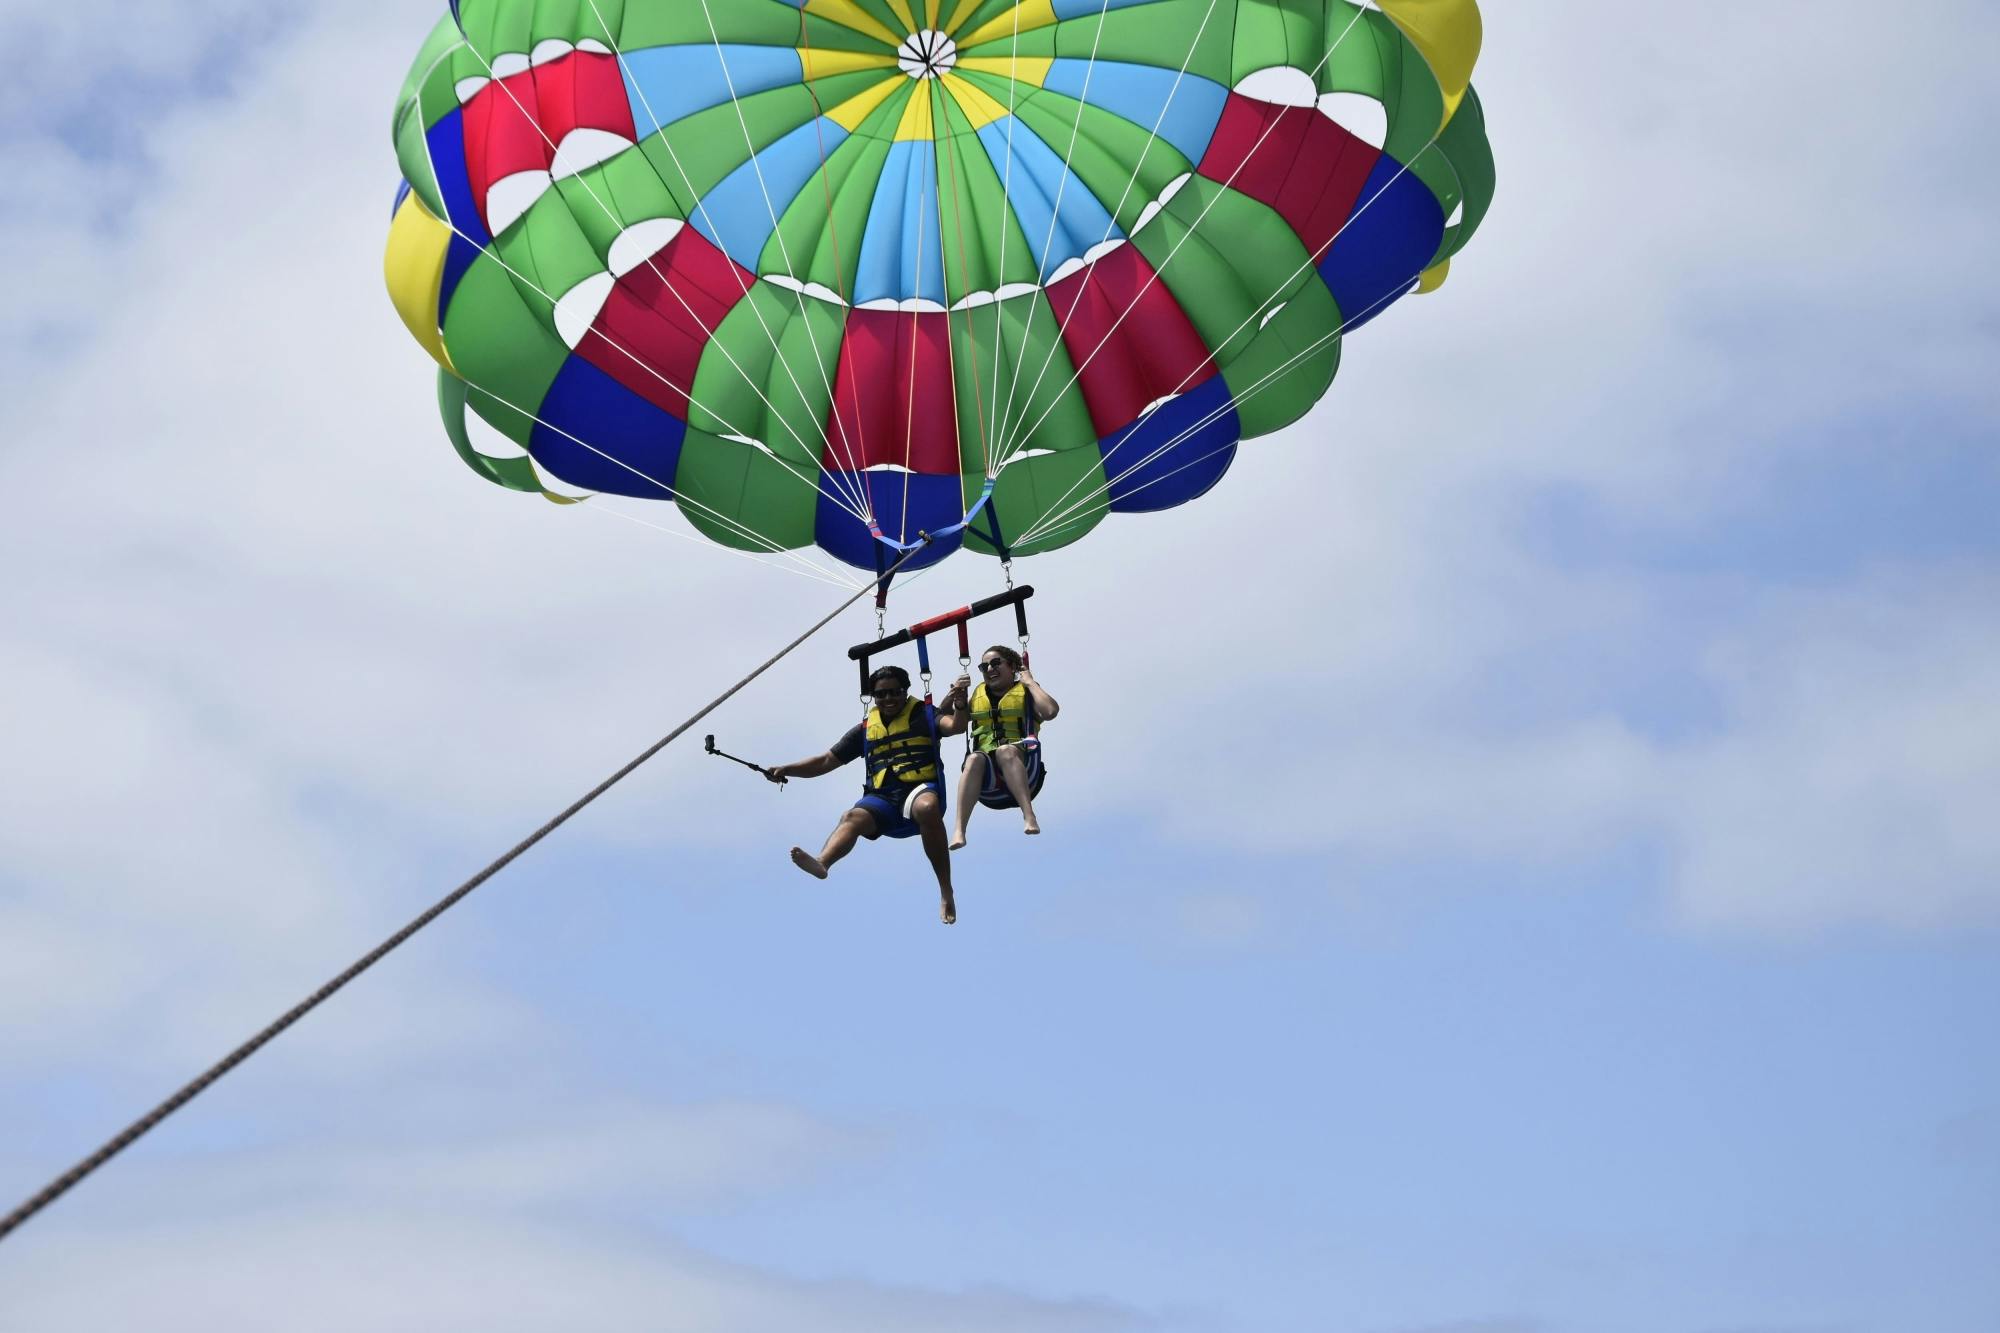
927, 54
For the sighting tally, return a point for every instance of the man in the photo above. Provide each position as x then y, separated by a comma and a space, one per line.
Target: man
902, 793
1006, 712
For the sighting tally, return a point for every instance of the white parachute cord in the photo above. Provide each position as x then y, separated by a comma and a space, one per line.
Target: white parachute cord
847, 450
709, 544
1193, 227
1055, 219
523, 280
726, 521
1062, 321
1042, 526
650, 261
1311, 262
1000, 246
855, 492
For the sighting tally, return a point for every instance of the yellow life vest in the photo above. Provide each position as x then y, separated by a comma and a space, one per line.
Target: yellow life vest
901, 750
1010, 720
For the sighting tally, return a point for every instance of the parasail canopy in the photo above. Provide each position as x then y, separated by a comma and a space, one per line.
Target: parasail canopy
843, 272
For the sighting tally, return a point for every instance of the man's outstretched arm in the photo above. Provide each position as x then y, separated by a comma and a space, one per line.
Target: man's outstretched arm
816, 767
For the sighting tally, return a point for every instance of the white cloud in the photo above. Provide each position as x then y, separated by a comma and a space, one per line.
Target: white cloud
437, 1271
1860, 779
444, 1226
1841, 771
525, 1153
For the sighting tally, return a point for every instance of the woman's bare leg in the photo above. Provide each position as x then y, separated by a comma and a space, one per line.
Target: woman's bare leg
1014, 773
969, 783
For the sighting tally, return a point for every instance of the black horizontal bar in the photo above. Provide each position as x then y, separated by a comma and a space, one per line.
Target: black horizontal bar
1012, 597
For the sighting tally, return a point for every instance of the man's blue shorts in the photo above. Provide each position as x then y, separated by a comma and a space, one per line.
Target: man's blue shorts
993, 794
892, 817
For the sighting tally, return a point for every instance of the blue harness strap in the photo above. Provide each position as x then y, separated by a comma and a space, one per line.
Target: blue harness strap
925, 538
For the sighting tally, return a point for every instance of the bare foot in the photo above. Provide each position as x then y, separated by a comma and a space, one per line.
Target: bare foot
948, 911
1030, 827
809, 864
957, 841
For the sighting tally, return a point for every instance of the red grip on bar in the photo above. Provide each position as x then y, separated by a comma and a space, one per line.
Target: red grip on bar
958, 617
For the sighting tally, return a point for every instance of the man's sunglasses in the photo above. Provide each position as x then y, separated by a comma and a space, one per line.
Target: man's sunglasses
891, 692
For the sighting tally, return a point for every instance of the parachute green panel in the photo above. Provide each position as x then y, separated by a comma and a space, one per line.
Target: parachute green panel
825, 275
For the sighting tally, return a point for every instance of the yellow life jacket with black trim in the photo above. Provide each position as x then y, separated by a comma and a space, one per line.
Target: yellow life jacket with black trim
900, 751
996, 724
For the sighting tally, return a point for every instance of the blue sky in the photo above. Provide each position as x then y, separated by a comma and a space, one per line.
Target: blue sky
1517, 859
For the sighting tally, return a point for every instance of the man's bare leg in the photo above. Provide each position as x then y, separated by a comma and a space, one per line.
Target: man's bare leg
839, 843
1014, 773
969, 783
929, 815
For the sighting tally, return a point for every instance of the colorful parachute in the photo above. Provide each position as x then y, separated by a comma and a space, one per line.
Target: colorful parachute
847, 271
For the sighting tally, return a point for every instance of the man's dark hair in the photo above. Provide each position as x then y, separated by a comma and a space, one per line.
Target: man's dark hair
1013, 657
882, 673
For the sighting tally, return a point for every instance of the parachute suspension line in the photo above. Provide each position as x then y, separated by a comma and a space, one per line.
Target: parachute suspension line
910, 410
965, 282
523, 280
144, 1124
825, 576
1046, 526
1055, 217
721, 519
1311, 261
1195, 226
701, 206
1284, 286
1153, 135
777, 231
839, 279
1213, 415
1000, 247
1111, 222
1286, 367
859, 502
855, 495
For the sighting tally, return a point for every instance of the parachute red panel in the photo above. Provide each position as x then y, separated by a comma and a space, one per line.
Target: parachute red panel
659, 318
1298, 161
1129, 337
894, 400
